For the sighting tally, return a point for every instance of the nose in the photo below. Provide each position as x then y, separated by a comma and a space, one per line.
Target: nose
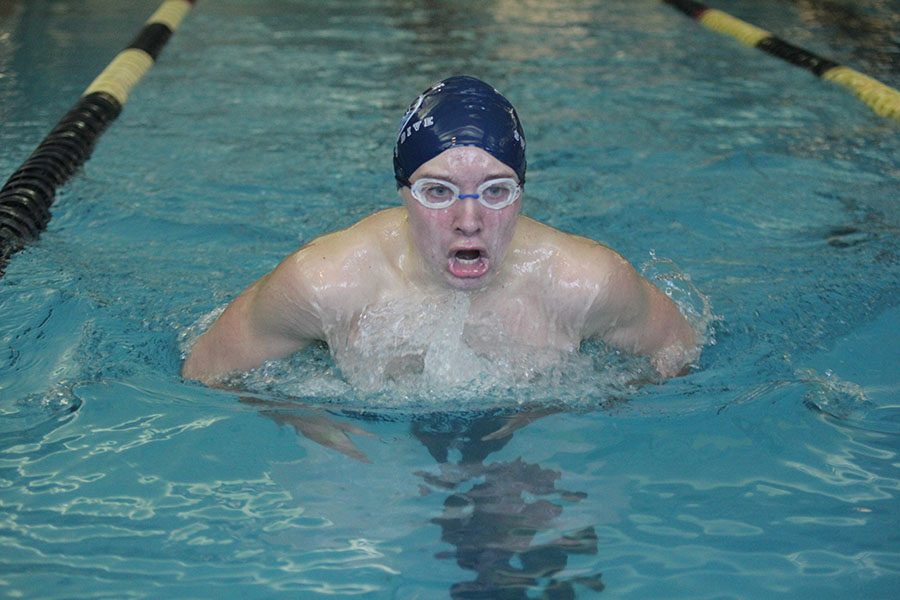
467, 219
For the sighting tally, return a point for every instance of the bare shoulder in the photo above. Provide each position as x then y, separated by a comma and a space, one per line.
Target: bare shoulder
337, 264
606, 297
573, 258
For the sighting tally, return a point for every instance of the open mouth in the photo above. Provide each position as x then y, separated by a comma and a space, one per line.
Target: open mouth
468, 255
468, 263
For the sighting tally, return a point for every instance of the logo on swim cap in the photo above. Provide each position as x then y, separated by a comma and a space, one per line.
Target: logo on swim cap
459, 111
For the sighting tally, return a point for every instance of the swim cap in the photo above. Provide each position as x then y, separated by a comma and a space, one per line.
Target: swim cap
459, 111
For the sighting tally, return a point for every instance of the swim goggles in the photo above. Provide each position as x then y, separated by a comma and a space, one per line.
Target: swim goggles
494, 194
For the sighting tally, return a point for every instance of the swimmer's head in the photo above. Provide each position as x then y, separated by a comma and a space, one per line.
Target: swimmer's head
459, 111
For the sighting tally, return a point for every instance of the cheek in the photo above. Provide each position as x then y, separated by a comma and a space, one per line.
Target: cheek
425, 227
505, 225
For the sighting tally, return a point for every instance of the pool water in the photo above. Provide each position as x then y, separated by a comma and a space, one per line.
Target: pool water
761, 198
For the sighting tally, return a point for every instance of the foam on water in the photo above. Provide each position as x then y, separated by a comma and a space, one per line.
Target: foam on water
423, 353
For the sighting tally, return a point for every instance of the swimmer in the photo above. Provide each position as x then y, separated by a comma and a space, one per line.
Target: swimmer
459, 163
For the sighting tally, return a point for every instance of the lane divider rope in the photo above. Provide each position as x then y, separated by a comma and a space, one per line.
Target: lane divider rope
881, 98
26, 197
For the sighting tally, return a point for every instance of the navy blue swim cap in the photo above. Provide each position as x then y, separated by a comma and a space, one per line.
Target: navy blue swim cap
459, 111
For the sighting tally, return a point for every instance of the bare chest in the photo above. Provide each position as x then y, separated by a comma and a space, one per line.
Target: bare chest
451, 339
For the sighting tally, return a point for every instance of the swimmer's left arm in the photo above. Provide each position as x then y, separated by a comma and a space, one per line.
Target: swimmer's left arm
632, 314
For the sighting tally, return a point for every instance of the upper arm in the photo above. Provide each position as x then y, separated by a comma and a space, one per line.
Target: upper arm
632, 314
323, 282
277, 315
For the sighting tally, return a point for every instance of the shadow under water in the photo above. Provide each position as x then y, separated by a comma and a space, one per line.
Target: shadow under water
495, 511
496, 514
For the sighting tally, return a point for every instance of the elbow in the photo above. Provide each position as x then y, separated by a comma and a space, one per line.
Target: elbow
190, 370
670, 364
199, 364
676, 358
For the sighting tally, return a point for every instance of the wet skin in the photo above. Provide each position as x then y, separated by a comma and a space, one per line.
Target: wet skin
529, 284
465, 244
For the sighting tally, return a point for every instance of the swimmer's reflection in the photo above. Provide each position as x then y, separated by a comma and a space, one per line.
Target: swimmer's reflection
313, 423
493, 513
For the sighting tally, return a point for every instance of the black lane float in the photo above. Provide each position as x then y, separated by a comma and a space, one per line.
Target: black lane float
26, 197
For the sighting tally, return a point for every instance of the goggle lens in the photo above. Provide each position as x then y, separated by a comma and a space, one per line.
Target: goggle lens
494, 194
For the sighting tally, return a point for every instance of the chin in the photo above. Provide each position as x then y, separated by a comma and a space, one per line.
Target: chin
468, 284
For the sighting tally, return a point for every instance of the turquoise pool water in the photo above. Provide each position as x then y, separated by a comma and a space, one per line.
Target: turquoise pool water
770, 471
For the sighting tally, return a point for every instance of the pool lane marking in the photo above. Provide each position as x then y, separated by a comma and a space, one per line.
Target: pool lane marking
26, 197
130, 65
881, 98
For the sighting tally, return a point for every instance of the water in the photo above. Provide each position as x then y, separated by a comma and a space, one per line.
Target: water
726, 176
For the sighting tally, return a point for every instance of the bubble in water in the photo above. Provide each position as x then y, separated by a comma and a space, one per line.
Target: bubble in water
430, 351
838, 398
189, 335
35, 415
677, 285
422, 355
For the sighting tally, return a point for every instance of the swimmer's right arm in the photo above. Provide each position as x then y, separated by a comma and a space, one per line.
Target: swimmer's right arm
271, 319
